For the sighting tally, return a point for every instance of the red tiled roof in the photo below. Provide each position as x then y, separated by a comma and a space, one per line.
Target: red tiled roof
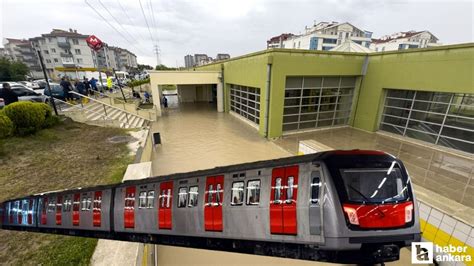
283, 36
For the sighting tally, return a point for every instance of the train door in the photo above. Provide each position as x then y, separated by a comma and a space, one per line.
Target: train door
214, 195
75, 209
129, 207
314, 205
165, 215
283, 199
59, 210
19, 209
97, 209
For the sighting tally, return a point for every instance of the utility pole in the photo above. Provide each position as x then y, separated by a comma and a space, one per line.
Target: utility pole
51, 98
156, 49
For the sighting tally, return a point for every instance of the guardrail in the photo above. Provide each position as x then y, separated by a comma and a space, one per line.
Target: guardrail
82, 108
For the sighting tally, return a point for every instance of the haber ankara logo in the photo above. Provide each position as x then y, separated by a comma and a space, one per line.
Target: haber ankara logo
94, 43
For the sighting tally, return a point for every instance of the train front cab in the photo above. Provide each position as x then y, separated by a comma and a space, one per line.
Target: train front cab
370, 206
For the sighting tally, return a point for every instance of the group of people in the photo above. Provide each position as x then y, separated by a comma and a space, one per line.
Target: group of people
85, 87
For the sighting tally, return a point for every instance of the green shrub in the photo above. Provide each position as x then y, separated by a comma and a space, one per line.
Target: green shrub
6, 126
27, 117
50, 119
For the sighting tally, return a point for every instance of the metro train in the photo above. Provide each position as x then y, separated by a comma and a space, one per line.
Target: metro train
340, 206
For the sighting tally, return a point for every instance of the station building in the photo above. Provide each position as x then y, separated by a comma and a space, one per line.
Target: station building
423, 94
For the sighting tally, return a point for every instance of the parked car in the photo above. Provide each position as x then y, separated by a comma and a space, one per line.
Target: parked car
58, 92
30, 84
26, 94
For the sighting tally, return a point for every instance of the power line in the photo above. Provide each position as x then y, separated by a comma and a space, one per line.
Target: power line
112, 26
129, 19
154, 20
146, 21
113, 17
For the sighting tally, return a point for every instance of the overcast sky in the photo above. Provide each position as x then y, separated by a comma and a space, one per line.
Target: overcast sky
224, 26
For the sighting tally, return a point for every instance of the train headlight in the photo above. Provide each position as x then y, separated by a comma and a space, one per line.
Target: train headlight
352, 215
409, 213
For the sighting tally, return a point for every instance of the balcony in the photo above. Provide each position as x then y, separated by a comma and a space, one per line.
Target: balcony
65, 44
69, 64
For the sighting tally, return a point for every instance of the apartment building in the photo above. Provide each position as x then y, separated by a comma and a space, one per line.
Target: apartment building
322, 36
220, 57
405, 40
67, 51
21, 50
189, 61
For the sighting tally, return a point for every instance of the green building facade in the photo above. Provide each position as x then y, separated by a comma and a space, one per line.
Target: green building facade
427, 94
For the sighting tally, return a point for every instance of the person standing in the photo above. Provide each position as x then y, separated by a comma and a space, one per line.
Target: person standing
87, 86
165, 102
94, 85
8, 95
66, 86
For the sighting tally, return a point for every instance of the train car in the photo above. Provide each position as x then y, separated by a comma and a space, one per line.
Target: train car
339, 206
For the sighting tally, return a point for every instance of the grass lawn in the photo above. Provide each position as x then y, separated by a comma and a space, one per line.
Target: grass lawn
66, 156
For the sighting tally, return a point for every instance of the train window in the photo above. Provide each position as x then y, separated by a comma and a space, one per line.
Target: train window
89, 203
150, 199
237, 193
193, 196
142, 199
278, 190
168, 198
315, 187
210, 191
218, 193
97, 201
51, 206
289, 190
253, 192
84, 204
162, 198
182, 197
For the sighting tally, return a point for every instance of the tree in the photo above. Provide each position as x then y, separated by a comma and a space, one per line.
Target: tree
163, 67
142, 67
12, 70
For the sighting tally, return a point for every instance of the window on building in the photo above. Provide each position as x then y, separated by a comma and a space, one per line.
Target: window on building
75, 41
77, 51
49, 39
53, 50
142, 200
79, 60
326, 40
237, 195
48, 61
193, 196
299, 44
253, 192
445, 119
245, 101
46, 52
150, 201
182, 197
314, 102
56, 60
42, 42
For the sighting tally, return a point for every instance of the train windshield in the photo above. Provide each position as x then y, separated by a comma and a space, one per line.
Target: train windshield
374, 185
369, 179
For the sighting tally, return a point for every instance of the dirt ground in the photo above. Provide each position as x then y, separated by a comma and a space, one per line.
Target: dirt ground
67, 156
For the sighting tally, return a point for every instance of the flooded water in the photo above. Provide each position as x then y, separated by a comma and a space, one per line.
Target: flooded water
195, 137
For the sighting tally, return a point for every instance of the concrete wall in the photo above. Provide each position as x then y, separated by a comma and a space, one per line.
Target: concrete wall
194, 93
443, 69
